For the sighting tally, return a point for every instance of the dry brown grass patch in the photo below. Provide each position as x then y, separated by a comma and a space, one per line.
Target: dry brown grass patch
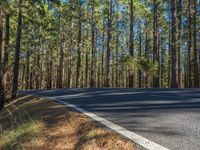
38, 124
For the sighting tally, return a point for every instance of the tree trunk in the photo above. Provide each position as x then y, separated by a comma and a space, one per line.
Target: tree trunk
147, 41
140, 55
102, 57
196, 68
49, 69
86, 69
70, 56
38, 70
189, 45
27, 81
79, 54
31, 78
61, 57
3, 76
17, 53
116, 55
1, 36
109, 34
61, 64
155, 45
92, 82
179, 11
131, 45
169, 61
2, 94
173, 46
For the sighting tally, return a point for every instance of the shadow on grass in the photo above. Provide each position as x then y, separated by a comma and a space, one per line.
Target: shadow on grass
26, 118
39, 124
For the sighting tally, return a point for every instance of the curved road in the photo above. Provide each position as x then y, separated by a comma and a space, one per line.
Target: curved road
169, 117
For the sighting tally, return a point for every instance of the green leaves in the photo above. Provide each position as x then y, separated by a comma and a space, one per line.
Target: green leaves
147, 65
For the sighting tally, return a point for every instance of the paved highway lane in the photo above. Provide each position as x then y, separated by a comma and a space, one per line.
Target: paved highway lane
169, 117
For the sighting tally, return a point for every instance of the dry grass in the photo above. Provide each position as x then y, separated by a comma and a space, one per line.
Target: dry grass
37, 124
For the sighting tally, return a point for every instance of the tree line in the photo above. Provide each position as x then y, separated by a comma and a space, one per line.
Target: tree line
93, 43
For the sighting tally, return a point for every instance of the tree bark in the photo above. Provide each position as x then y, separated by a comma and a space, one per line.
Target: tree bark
102, 57
61, 56
147, 41
86, 69
3, 76
49, 69
169, 61
174, 83
179, 11
92, 81
196, 68
109, 34
38, 69
2, 94
70, 56
17, 53
1, 36
155, 45
131, 45
27, 74
116, 56
140, 55
189, 45
78, 71
61, 64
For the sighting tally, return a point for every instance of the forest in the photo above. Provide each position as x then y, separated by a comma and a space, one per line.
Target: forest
46, 44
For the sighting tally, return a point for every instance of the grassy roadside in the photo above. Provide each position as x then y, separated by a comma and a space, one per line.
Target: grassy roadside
38, 124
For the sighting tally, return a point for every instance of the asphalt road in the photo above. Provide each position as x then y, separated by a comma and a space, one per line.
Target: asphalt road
169, 117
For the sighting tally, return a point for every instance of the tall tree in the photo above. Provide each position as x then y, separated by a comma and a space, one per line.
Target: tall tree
140, 54
196, 68
69, 70
189, 44
1, 34
79, 46
4, 73
102, 56
179, 15
27, 74
170, 59
92, 80
174, 83
1, 41
38, 66
147, 44
131, 44
17, 52
61, 54
109, 34
117, 51
155, 43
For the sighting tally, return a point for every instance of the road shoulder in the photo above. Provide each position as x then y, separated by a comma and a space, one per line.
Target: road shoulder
37, 123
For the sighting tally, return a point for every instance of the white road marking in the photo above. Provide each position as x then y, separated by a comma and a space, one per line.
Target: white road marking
142, 141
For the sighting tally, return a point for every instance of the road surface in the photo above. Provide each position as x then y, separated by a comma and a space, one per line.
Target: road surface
169, 117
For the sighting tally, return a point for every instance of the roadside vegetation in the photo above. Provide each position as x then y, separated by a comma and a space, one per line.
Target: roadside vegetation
40, 124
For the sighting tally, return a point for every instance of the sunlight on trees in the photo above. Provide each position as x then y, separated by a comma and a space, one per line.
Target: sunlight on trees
95, 43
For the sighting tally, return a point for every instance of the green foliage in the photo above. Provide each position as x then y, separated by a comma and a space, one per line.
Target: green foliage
49, 25
147, 65
131, 63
